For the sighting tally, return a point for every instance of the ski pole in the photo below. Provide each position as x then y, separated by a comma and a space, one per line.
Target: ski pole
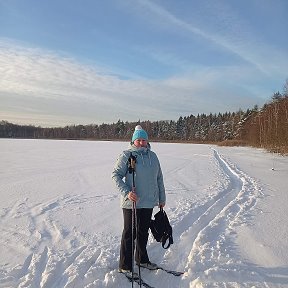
137, 233
137, 241
132, 162
133, 215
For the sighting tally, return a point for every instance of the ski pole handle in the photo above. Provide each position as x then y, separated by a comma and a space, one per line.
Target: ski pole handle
131, 163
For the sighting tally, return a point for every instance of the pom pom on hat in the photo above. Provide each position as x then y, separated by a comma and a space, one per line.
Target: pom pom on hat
139, 133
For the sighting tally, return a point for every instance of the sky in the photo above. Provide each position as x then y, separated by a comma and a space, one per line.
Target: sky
94, 61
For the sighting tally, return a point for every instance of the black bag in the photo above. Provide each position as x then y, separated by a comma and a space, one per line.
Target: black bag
161, 228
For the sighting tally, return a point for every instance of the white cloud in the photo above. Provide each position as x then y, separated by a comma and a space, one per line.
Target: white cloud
220, 25
48, 88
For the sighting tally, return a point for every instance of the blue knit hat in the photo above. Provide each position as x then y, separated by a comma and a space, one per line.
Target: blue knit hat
139, 133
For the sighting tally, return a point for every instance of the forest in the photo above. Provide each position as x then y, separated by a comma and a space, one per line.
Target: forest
264, 128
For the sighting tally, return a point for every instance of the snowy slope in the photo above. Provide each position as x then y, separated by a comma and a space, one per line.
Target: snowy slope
61, 224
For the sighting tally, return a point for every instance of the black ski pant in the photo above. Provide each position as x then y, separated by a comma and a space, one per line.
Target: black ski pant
143, 222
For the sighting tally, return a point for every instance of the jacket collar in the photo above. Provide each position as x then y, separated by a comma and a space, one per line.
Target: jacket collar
141, 150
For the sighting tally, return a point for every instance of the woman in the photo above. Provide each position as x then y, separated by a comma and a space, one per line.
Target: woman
149, 192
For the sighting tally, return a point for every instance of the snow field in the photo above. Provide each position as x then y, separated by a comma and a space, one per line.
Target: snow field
61, 224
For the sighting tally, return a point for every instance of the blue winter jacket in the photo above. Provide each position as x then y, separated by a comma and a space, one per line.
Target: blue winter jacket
149, 184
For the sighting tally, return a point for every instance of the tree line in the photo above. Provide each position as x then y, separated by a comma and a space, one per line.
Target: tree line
266, 127
200, 128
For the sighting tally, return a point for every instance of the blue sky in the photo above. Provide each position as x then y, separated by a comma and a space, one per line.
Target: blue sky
68, 62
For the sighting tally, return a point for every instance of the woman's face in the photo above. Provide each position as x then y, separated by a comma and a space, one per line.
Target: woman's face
140, 143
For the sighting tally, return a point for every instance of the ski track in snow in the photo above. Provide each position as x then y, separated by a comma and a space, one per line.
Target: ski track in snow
210, 261
209, 228
203, 241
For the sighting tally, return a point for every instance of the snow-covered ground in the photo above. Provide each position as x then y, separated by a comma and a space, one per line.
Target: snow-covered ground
60, 220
